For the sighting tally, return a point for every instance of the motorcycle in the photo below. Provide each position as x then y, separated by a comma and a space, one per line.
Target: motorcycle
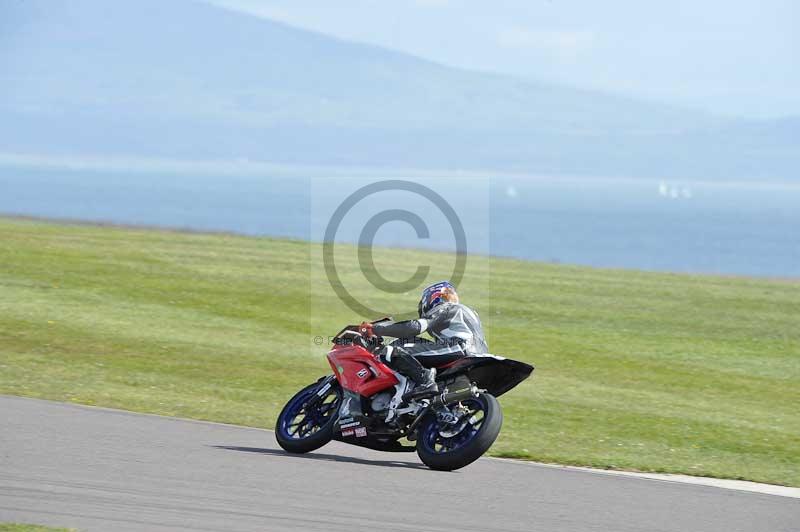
366, 403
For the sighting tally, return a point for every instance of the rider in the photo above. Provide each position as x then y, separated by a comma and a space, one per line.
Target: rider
456, 329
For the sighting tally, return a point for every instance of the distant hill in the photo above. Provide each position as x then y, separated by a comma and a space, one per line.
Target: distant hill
182, 78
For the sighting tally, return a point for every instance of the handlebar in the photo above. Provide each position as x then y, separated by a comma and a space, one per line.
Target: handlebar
351, 334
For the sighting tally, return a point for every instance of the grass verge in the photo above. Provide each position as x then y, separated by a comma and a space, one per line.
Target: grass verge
20, 527
644, 371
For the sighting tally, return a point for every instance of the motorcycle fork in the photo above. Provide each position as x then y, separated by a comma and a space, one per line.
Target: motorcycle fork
325, 384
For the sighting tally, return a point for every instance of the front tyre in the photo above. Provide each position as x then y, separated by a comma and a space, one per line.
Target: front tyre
447, 447
307, 421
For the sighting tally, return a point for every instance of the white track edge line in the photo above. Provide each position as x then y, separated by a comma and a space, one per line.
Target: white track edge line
722, 483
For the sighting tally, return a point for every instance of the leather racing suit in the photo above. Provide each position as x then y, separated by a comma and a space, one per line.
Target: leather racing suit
457, 332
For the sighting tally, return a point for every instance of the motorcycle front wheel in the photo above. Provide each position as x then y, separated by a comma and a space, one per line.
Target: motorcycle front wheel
305, 423
447, 447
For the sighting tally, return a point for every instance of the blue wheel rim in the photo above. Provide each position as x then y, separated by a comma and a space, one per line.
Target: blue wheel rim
299, 422
436, 443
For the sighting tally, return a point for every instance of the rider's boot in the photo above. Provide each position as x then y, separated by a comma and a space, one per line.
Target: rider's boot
425, 379
426, 385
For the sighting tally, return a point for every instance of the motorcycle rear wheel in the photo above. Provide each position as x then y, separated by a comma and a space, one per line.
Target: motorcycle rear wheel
449, 452
302, 429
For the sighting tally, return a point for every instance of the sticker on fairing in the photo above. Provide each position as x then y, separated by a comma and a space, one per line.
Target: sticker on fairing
344, 411
361, 432
347, 433
362, 373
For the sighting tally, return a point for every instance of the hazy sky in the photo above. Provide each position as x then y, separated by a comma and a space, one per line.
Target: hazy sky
729, 56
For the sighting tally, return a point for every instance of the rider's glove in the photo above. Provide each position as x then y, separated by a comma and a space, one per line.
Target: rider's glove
366, 330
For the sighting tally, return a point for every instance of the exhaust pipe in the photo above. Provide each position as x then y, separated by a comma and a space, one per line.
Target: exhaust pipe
440, 401
454, 397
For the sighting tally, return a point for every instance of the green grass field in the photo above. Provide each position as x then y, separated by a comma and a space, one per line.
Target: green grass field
645, 371
19, 527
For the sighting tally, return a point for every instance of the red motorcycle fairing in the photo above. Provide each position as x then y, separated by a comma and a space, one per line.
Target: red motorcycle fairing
360, 371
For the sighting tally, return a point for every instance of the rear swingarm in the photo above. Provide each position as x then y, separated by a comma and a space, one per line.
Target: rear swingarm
442, 400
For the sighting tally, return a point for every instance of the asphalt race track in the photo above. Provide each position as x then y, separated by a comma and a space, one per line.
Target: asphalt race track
98, 469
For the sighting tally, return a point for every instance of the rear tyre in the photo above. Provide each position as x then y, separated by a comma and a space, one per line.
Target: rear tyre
302, 428
439, 448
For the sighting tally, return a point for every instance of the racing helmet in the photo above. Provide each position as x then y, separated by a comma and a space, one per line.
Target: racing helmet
435, 295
